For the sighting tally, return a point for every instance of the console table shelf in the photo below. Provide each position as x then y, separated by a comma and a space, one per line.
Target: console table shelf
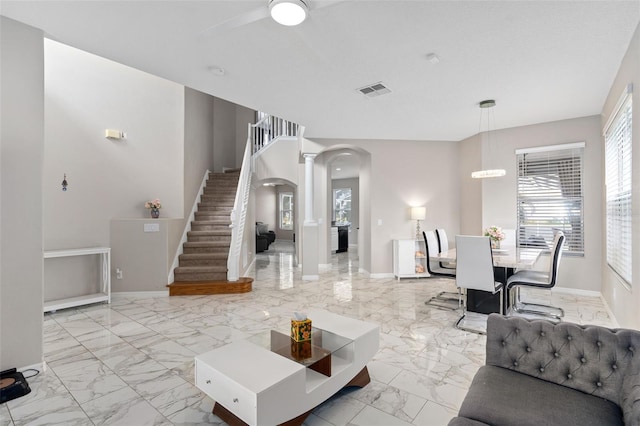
104, 295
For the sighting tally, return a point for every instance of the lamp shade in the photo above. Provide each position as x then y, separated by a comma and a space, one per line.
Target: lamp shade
288, 12
418, 213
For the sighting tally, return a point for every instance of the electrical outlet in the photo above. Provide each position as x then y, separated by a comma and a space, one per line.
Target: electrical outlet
118, 273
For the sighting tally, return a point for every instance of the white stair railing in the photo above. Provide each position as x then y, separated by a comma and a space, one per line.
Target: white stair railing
239, 214
268, 128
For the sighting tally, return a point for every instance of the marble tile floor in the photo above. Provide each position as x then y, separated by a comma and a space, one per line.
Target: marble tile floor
131, 362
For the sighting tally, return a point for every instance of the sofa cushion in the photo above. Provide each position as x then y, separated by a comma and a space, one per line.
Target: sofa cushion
503, 397
463, 421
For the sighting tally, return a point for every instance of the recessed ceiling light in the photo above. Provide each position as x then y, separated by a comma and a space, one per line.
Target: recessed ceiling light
288, 12
338, 169
433, 58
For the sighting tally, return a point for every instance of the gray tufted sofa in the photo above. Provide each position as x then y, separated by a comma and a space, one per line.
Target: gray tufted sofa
540, 373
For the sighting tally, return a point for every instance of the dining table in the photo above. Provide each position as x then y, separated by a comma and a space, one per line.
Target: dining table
506, 260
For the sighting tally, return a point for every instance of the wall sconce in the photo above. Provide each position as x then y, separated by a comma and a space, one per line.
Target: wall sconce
64, 182
418, 214
114, 134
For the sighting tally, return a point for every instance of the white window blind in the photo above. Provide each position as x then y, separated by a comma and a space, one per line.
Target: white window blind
618, 188
550, 196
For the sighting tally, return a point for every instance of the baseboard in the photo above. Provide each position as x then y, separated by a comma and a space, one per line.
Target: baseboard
381, 276
40, 366
141, 294
310, 277
576, 291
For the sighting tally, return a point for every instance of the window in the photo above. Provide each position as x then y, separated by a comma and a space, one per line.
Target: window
550, 196
342, 205
617, 135
286, 210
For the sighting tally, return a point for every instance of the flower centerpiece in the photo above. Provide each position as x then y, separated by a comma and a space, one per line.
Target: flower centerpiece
155, 207
495, 234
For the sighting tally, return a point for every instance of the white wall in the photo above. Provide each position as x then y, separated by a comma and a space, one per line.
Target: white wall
403, 173
266, 210
21, 210
84, 95
622, 299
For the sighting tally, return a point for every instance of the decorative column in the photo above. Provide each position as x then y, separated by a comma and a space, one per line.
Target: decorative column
310, 226
308, 188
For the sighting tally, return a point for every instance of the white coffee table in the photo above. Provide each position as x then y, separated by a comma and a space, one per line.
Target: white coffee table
253, 385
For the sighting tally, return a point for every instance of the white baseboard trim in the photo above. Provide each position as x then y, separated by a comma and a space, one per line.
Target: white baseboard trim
381, 276
310, 277
40, 366
576, 291
141, 294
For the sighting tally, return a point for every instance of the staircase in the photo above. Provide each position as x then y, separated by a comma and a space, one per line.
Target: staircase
203, 265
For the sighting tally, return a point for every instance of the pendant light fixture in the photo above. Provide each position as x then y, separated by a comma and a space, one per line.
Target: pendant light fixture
288, 12
488, 173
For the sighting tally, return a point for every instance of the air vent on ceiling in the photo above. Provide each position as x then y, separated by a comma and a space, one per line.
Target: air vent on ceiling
373, 90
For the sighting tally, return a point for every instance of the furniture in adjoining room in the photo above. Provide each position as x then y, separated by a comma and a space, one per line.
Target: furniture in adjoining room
271, 379
475, 272
339, 238
537, 279
264, 237
541, 373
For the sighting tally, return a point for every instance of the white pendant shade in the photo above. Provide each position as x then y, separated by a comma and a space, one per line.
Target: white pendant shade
481, 174
288, 12
489, 173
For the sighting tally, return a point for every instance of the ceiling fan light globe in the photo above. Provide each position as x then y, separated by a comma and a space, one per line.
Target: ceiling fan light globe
288, 12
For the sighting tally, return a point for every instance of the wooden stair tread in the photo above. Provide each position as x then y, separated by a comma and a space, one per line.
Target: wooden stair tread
188, 288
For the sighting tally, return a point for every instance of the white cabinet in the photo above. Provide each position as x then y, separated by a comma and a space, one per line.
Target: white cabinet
103, 293
334, 239
409, 259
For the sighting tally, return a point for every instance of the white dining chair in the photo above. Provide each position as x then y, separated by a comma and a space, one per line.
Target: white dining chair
443, 245
538, 279
475, 271
444, 299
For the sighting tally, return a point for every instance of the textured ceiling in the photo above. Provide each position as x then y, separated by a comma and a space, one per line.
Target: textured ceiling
540, 60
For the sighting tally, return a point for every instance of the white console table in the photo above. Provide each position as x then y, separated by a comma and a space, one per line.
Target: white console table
104, 295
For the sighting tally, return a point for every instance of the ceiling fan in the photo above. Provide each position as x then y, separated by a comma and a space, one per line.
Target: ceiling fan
285, 12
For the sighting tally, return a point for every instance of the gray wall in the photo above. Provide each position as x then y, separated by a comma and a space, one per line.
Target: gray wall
198, 143
142, 256
224, 135
499, 194
21, 158
623, 299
